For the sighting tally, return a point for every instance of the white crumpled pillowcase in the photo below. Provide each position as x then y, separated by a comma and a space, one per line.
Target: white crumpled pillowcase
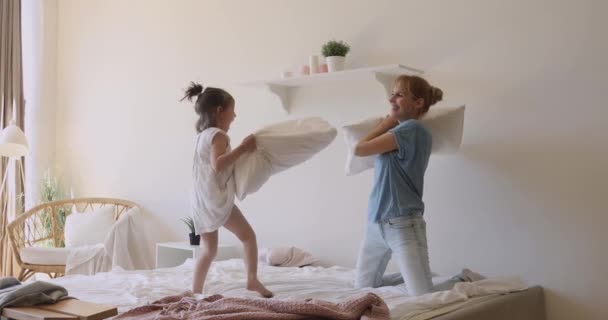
279, 147
445, 125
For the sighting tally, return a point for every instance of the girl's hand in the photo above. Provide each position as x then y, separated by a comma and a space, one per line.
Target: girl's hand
378, 140
389, 122
249, 143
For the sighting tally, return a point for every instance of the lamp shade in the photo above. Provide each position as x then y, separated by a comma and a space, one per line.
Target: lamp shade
13, 142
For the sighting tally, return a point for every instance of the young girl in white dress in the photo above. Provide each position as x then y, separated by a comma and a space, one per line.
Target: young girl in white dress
214, 188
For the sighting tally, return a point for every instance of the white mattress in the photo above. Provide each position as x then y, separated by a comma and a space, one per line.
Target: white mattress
127, 289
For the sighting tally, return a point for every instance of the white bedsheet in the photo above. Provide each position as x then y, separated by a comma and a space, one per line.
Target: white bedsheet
127, 289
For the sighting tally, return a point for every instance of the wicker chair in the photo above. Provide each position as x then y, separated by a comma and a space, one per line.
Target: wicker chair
41, 227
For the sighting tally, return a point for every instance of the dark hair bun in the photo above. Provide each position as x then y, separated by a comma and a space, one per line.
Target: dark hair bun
193, 91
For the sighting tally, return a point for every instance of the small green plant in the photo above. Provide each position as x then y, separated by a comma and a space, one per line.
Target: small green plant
190, 223
335, 48
51, 191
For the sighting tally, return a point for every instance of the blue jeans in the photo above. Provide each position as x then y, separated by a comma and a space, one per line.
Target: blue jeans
405, 237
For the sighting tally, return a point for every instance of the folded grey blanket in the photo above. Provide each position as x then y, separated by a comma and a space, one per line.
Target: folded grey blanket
15, 294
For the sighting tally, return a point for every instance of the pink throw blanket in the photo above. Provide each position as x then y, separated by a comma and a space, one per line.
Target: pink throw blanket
365, 306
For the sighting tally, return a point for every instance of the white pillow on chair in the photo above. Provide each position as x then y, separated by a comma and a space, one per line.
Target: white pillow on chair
444, 123
88, 228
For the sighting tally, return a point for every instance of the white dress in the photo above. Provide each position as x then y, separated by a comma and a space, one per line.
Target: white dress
214, 192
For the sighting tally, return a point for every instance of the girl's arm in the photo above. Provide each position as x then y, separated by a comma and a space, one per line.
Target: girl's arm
220, 159
379, 140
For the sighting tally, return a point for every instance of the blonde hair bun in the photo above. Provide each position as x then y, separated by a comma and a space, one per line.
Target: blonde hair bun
436, 95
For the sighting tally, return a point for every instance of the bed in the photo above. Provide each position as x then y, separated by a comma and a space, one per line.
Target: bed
505, 298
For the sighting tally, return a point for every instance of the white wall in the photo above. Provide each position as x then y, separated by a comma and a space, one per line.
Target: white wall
524, 197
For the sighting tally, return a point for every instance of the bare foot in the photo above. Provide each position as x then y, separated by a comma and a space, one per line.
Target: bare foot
256, 285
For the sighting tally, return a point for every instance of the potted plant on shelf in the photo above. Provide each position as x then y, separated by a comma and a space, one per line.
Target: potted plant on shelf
335, 54
195, 239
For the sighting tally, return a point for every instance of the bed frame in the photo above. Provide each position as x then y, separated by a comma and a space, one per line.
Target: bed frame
524, 305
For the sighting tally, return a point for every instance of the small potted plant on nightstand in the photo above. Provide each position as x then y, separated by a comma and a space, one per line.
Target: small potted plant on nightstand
335, 54
195, 239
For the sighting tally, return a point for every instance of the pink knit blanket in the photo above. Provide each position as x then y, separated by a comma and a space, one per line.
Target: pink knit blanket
366, 306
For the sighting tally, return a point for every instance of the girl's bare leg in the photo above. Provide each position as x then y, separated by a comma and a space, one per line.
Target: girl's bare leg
208, 253
238, 225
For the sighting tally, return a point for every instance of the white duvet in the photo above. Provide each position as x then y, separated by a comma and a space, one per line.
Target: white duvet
127, 289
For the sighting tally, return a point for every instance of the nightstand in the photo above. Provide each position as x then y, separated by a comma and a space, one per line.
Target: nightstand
172, 254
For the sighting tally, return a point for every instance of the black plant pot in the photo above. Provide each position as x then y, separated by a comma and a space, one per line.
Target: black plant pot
195, 239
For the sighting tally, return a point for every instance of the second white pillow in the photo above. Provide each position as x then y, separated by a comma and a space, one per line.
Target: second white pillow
445, 125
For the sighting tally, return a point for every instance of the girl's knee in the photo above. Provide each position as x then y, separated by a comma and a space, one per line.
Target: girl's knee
208, 251
363, 282
209, 254
418, 291
248, 237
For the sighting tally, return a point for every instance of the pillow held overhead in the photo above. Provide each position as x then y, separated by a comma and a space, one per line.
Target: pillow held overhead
444, 123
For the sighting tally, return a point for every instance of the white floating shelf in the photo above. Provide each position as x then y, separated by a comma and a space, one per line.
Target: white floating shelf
281, 87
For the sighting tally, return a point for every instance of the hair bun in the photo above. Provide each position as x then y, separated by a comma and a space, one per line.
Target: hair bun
436, 95
193, 91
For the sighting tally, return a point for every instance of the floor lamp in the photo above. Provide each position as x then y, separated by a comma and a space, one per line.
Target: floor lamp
13, 145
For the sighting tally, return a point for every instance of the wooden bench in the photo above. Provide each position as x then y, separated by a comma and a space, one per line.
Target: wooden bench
65, 309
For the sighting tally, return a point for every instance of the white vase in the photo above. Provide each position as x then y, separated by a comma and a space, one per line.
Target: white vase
335, 63
313, 63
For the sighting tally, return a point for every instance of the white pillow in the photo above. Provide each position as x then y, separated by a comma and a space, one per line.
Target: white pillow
286, 257
279, 147
445, 125
352, 135
89, 227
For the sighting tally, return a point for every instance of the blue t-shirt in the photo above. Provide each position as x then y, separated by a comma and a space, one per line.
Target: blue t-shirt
399, 174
